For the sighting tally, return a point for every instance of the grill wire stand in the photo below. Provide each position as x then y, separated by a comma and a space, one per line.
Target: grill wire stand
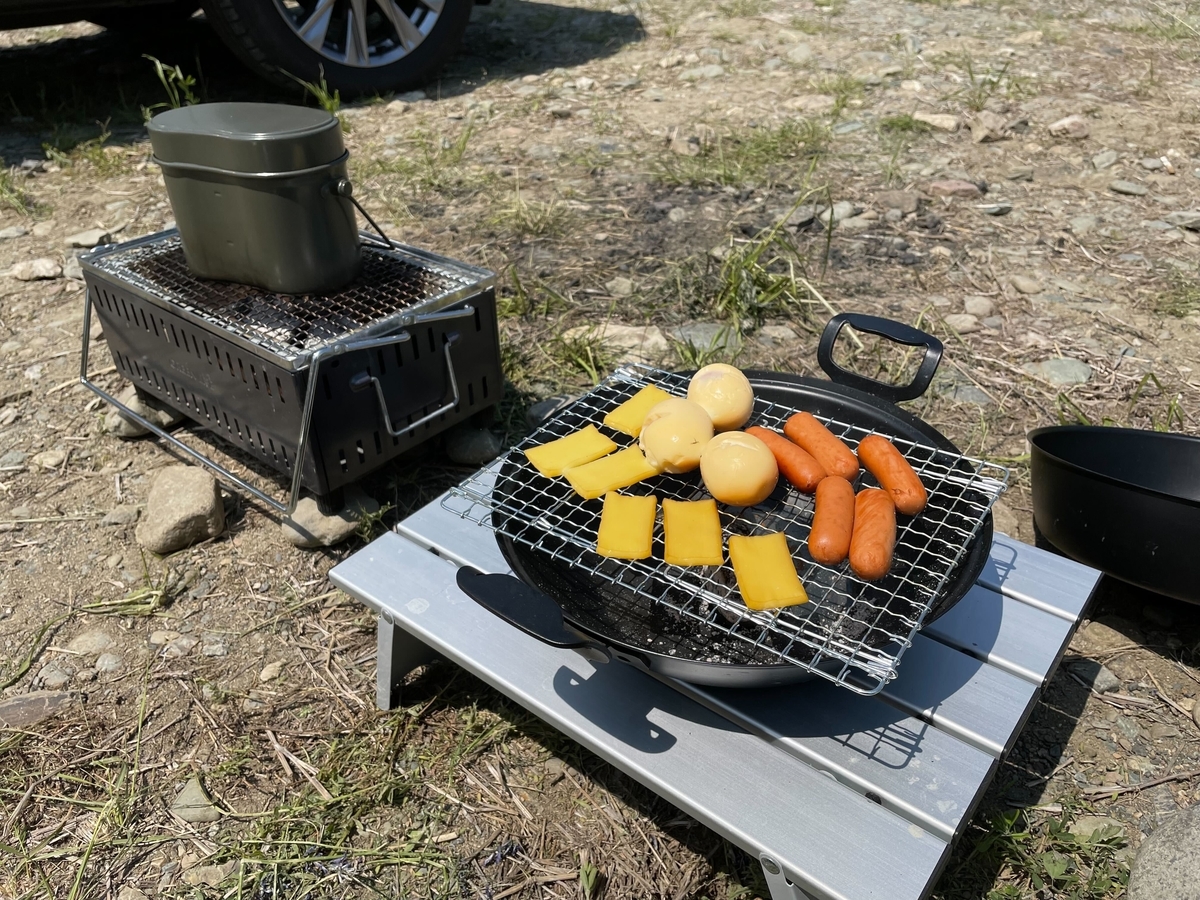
852, 632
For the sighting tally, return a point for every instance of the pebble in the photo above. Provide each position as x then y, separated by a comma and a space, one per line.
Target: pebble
904, 201
539, 412
635, 343
193, 805
999, 208
43, 229
987, 127
1073, 127
1100, 677
214, 645
1129, 188
848, 127
1025, 285
840, 211
1167, 866
1086, 826
1151, 163
467, 445
775, 335
1189, 219
702, 73
108, 662
963, 323
1104, 159
620, 286
116, 423
209, 875
255, 702
88, 239
91, 642
184, 507
36, 270
677, 214
706, 336
308, 527
162, 636
270, 671
85, 676
1162, 732
954, 187
979, 306
12, 458
12, 231
50, 459
53, 676
121, 515
799, 217
24, 711
1081, 225
180, 646
1060, 370
940, 121
800, 54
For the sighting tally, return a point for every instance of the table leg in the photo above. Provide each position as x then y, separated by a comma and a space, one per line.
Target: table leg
778, 884
397, 654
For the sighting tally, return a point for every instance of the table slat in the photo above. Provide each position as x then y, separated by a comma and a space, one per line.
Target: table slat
1055, 584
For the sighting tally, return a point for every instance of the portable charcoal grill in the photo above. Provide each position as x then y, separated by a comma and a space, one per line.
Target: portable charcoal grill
690, 623
322, 388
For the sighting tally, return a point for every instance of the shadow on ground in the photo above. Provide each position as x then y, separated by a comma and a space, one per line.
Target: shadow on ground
72, 89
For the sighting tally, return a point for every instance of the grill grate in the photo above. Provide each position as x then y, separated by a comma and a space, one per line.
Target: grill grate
290, 327
852, 632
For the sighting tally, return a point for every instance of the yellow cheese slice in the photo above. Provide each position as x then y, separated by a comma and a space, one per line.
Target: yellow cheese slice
766, 574
575, 449
623, 468
626, 526
692, 530
628, 417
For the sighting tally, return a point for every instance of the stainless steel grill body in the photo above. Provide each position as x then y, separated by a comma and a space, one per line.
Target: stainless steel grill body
353, 377
852, 632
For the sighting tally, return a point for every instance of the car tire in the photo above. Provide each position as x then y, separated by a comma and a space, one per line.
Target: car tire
258, 32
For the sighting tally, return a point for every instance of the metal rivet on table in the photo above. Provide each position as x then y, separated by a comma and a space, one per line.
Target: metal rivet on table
770, 865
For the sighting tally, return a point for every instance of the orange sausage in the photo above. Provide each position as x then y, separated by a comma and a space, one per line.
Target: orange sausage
795, 464
833, 522
826, 448
874, 536
894, 474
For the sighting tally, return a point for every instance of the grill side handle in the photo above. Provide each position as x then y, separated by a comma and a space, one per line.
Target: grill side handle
527, 609
893, 331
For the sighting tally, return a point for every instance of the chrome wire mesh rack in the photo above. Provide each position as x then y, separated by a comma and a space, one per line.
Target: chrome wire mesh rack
852, 631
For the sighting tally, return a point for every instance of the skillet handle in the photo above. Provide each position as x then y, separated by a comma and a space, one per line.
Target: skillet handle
523, 607
893, 331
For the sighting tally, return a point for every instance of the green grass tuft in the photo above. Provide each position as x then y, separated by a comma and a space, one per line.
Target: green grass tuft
758, 156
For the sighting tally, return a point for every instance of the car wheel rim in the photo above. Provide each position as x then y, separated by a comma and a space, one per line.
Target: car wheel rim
364, 34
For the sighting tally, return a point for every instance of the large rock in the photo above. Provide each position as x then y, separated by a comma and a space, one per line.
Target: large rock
193, 805
1189, 219
1061, 370
1167, 866
1074, 127
115, 422
36, 270
308, 527
26, 710
184, 507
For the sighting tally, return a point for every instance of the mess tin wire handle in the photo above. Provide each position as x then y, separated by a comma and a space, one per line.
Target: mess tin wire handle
893, 331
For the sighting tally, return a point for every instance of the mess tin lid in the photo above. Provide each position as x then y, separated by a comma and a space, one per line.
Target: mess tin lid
247, 137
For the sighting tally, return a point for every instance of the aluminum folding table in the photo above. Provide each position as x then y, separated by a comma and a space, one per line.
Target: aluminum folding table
838, 795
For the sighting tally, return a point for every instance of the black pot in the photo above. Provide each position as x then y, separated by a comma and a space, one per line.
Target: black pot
1122, 500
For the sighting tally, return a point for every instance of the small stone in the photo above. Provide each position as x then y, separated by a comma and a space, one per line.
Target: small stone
583, 83
121, 515
702, 73
800, 54
396, 107
85, 676
1020, 173
1028, 37
36, 270
539, 412
940, 121
636, 343
1189, 220
129, 892
848, 127
1151, 163
73, 269
1061, 371
1081, 225
954, 187
270, 672
620, 286
775, 335
180, 646
44, 229
963, 323
91, 642
308, 527
193, 805
184, 507
858, 223
1163, 732
999, 208
53, 676
24, 711
1167, 866
1099, 677
671, 60
214, 645
1025, 285
839, 212
162, 636
543, 152
412, 96
677, 214
256, 701
88, 239
115, 422
13, 231
773, 63
1073, 127
210, 875
904, 201
706, 336
798, 217
1104, 159
108, 662
1129, 188
1086, 826
979, 306
50, 459
467, 445
986, 127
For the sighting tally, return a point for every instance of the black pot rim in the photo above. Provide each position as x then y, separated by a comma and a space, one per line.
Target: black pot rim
1106, 430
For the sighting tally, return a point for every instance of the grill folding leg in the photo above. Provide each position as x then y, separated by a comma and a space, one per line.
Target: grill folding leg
840, 797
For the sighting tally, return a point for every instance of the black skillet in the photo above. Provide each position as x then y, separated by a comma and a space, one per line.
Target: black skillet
565, 606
